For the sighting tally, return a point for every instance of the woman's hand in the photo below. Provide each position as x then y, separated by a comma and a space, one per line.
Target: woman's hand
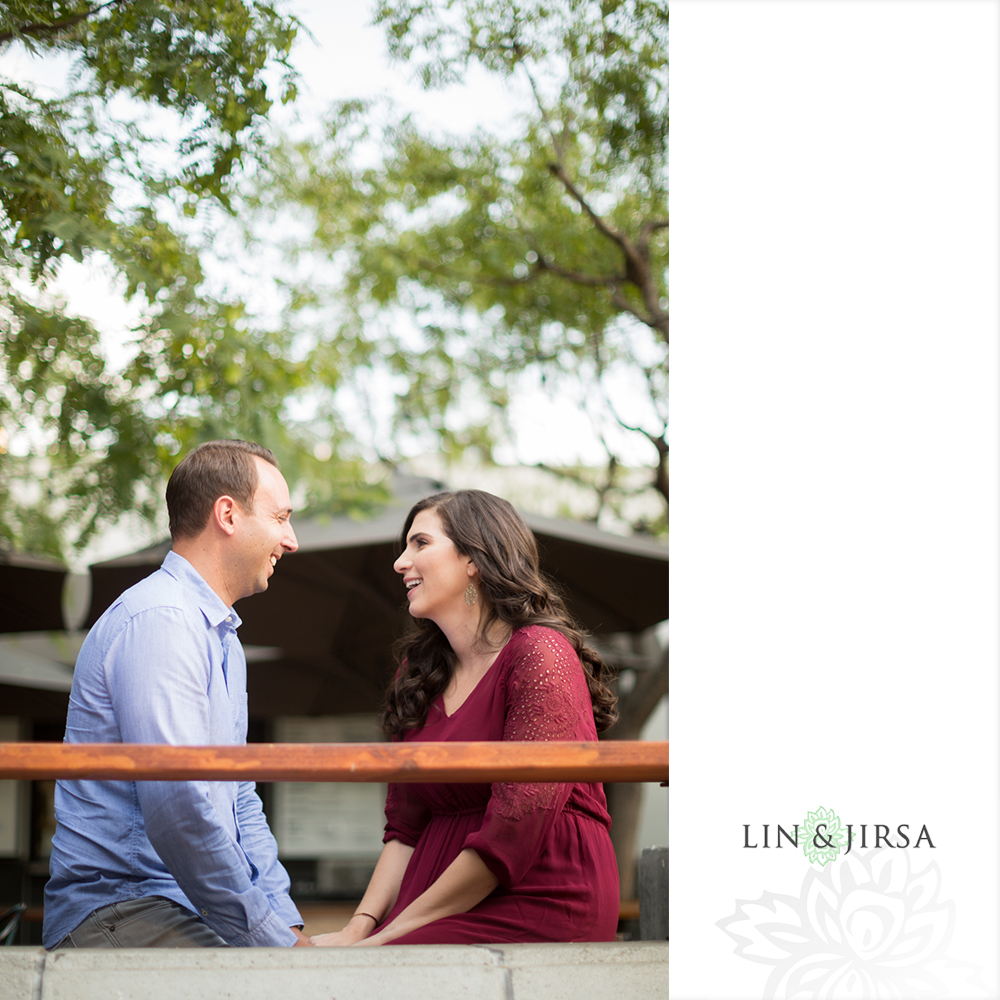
369, 942
378, 898
356, 930
464, 883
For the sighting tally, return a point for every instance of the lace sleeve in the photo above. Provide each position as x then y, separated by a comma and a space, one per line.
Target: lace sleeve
547, 699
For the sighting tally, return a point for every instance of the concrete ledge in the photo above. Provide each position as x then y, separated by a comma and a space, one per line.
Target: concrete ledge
637, 970
20, 971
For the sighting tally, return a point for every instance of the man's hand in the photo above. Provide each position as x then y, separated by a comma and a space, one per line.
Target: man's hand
301, 940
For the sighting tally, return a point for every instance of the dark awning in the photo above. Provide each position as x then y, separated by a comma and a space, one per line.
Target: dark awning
31, 593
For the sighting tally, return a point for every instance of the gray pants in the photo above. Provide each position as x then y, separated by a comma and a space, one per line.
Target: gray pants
151, 922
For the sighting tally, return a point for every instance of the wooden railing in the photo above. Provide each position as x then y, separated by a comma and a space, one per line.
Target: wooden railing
611, 760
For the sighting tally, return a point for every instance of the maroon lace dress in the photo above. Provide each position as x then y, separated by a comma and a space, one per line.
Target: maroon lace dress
548, 844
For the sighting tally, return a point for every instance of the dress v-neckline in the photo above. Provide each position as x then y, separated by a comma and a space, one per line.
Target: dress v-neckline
476, 687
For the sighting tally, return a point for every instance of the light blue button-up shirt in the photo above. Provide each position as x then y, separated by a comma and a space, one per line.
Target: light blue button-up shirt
163, 665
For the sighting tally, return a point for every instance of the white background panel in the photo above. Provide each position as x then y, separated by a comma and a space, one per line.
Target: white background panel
834, 556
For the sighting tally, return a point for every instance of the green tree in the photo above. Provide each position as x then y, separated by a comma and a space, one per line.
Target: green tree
470, 267
127, 171
538, 259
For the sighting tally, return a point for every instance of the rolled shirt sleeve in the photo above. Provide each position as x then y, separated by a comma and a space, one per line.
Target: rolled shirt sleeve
259, 844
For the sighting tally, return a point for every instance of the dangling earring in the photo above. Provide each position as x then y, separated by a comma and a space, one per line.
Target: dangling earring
471, 594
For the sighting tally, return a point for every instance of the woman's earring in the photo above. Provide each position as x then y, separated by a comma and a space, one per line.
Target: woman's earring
471, 594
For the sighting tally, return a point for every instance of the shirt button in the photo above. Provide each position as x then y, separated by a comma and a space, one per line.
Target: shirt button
229, 618
204, 912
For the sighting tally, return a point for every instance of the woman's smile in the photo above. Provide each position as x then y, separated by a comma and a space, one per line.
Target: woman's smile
435, 574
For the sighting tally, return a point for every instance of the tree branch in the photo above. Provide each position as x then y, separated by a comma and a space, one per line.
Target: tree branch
557, 171
41, 28
623, 303
650, 227
636, 259
578, 276
596, 280
573, 477
601, 490
636, 707
661, 474
557, 147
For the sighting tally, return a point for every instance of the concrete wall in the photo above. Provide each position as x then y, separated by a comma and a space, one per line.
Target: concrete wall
417, 972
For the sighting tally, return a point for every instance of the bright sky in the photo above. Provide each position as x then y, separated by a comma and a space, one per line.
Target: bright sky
348, 59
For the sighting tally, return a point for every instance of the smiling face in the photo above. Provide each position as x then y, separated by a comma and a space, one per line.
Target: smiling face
264, 534
434, 572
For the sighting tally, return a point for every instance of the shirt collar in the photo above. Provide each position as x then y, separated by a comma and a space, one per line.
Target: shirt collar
212, 606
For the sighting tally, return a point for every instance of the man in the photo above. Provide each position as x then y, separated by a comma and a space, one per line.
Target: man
177, 864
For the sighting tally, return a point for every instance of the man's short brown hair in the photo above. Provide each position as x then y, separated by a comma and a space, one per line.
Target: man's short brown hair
212, 470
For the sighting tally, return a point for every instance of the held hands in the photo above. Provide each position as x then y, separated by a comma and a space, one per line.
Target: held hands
357, 930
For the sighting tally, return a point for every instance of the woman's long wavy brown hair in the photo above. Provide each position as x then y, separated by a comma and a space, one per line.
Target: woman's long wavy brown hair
490, 531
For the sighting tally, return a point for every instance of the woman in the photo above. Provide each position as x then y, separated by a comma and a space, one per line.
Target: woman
494, 655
